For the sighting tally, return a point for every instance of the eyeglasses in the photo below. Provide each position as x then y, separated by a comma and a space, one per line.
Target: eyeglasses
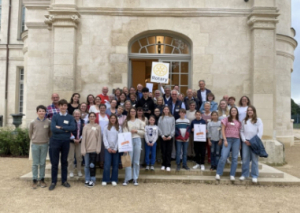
92, 117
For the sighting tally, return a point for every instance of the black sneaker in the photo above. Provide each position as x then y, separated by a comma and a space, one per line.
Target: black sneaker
86, 183
66, 184
178, 168
52, 186
91, 184
186, 167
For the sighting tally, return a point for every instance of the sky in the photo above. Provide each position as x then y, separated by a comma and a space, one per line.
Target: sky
296, 73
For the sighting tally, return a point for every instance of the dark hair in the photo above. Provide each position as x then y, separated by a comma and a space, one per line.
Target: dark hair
231, 97
80, 106
62, 102
116, 125
102, 105
210, 94
71, 101
198, 111
240, 102
254, 117
151, 116
92, 113
145, 89
182, 110
230, 116
214, 112
87, 99
140, 109
41, 107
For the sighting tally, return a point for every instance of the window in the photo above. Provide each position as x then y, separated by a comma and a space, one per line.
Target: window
23, 19
21, 26
21, 89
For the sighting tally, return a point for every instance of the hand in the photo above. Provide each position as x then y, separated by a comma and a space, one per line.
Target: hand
113, 151
109, 150
76, 141
225, 143
220, 142
247, 143
209, 143
148, 144
169, 138
164, 138
133, 131
193, 130
57, 127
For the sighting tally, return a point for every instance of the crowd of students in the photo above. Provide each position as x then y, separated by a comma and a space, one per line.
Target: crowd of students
162, 127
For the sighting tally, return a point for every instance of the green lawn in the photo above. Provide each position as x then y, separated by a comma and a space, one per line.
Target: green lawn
296, 126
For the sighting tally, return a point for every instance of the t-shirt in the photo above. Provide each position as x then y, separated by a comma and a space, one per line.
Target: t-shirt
203, 95
232, 129
242, 113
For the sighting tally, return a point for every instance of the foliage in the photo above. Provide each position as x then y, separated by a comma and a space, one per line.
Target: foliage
295, 109
14, 142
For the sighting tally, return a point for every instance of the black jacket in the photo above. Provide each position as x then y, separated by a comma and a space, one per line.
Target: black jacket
187, 103
200, 97
177, 107
146, 105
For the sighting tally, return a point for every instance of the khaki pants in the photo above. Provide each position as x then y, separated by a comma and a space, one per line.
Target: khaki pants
75, 149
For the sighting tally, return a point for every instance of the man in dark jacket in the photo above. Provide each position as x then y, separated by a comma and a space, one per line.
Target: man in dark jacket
146, 103
175, 104
189, 97
202, 92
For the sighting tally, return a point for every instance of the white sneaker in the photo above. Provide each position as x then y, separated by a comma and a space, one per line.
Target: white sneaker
196, 166
228, 161
202, 167
135, 183
242, 178
168, 169
217, 177
104, 183
254, 180
71, 174
152, 168
232, 178
125, 183
162, 168
114, 183
79, 174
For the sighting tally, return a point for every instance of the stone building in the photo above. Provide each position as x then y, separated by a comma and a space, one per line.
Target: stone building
239, 47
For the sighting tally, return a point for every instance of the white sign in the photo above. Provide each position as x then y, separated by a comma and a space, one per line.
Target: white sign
160, 72
125, 142
149, 86
200, 132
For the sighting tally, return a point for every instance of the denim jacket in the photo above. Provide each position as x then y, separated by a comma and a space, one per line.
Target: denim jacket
257, 147
213, 107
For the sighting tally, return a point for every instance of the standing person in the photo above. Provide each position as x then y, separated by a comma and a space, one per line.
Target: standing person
117, 94
110, 98
175, 105
104, 96
136, 127
191, 115
231, 134
189, 97
110, 139
160, 104
214, 139
213, 104
166, 126
74, 103
53, 108
121, 120
122, 99
75, 145
62, 125
141, 116
146, 103
151, 136
127, 106
112, 109
157, 94
223, 111
167, 95
157, 114
182, 139
225, 98
90, 147
251, 126
95, 108
125, 90
202, 92
39, 134
132, 98
84, 113
199, 146
207, 117
139, 93
90, 100
231, 102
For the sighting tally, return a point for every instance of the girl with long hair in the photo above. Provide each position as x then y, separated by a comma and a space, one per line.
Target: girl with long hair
74, 103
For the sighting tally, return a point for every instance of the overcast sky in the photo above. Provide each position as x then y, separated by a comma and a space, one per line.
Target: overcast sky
296, 73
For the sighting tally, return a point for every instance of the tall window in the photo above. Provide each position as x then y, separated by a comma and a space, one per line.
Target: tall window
0, 12
21, 26
23, 19
21, 89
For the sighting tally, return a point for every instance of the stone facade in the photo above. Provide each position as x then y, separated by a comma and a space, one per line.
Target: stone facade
239, 48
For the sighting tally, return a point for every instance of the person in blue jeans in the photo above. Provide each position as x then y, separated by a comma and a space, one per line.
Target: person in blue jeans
251, 126
182, 129
111, 155
231, 134
214, 139
151, 136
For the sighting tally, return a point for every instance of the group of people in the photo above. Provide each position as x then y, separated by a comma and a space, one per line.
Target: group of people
162, 127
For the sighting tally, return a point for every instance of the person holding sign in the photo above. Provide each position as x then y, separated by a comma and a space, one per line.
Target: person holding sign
136, 127
231, 135
198, 128
111, 155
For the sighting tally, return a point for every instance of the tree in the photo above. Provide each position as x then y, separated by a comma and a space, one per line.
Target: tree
295, 109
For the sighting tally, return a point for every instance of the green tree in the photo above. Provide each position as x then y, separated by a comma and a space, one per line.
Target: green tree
295, 109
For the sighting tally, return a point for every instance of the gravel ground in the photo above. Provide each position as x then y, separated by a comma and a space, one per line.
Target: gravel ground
16, 195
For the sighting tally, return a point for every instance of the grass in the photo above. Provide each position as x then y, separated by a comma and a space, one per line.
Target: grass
296, 126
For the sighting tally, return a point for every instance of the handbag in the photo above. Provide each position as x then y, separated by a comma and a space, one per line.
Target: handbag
126, 161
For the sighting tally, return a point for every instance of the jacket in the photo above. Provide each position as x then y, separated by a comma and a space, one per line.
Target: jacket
187, 102
213, 107
257, 147
74, 133
178, 135
177, 107
199, 95
146, 105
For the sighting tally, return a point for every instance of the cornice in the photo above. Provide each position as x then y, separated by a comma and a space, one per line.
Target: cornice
37, 4
263, 18
62, 19
288, 39
34, 25
285, 54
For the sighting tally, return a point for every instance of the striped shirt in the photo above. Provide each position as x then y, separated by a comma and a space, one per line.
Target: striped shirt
182, 125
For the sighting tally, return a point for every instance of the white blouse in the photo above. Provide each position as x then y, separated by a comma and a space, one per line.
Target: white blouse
249, 130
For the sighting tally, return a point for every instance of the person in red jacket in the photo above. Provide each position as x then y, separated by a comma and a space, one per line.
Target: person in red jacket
104, 96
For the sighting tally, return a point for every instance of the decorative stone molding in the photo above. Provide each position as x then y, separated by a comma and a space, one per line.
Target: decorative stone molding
285, 54
61, 20
36, 25
287, 39
36, 4
263, 18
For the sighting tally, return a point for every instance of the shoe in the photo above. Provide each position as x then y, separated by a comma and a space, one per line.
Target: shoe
217, 177
91, 184
66, 184
79, 174
232, 178
152, 168
114, 183
43, 184
178, 168
125, 183
254, 180
86, 183
34, 184
162, 168
186, 167
147, 168
104, 183
71, 174
202, 167
52, 186
196, 166
228, 161
135, 182
168, 169
242, 178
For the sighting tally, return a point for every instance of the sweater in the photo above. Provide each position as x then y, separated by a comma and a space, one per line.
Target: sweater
138, 125
249, 130
166, 126
146, 105
145, 122
214, 130
182, 130
110, 138
151, 134
39, 131
91, 139
67, 124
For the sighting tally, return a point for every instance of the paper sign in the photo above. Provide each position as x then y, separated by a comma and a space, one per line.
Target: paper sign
200, 132
125, 142
160, 72
149, 86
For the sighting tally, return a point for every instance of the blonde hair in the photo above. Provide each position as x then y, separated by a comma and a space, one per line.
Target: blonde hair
220, 111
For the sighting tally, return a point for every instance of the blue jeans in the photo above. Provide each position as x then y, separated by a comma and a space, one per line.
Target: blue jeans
247, 155
181, 145
233, 143
215, 153
110, 159
90, 166
133, 173
148, 150
39, 154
